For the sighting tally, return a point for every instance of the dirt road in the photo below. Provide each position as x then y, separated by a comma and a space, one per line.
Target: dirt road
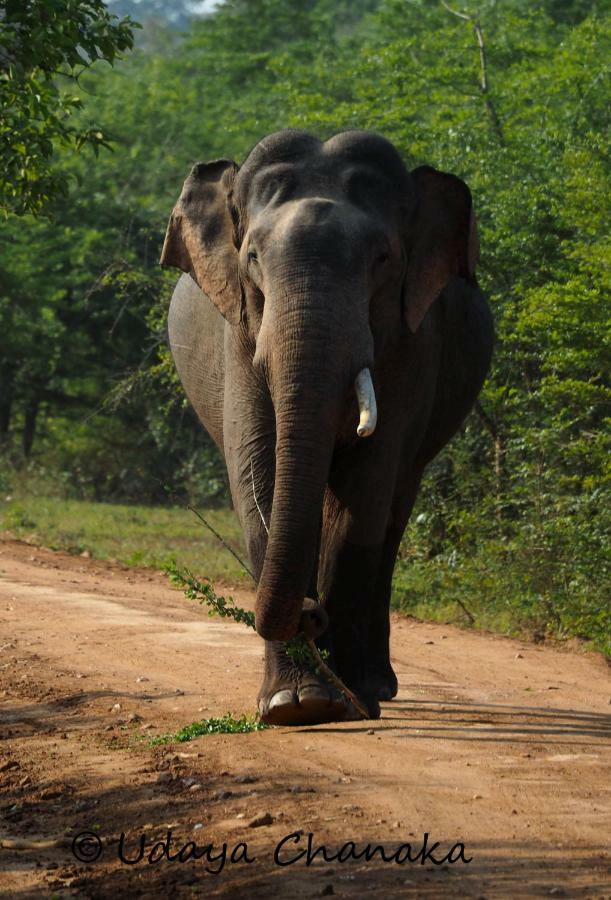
495, 744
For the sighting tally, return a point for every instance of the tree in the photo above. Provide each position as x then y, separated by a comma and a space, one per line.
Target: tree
45, 44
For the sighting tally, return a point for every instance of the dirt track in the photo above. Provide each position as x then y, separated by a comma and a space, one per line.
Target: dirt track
498, 744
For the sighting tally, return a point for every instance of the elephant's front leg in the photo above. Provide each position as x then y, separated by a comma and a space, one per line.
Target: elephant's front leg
354, 558
348, 582
380, 674
370, 495
291, 692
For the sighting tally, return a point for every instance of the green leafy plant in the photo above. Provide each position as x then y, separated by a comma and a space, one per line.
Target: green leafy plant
16, 518
204, 593
227, 724
225, 607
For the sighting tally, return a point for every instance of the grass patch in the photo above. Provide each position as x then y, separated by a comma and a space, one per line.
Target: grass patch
132, 535
510, 588
227, 724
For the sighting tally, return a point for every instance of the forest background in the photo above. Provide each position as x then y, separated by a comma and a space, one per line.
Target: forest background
511, 531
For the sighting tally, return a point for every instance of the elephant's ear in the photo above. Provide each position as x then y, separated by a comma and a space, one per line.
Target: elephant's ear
199, 238
440, 240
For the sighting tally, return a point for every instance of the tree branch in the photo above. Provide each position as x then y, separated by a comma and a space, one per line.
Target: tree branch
483, 64
222, 540
455, 12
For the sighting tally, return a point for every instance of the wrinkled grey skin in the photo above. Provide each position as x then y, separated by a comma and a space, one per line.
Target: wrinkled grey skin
309, 262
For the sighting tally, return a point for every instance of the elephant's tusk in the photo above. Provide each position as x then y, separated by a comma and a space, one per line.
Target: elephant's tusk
368, 409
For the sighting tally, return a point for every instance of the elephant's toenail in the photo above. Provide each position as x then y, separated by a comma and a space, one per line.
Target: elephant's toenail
313, 693
282, 698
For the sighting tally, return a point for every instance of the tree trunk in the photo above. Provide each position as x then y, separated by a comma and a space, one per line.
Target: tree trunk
29, 426
6, 404
498, 441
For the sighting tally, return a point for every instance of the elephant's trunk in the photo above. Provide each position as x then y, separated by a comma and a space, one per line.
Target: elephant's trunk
301, 475
310, 367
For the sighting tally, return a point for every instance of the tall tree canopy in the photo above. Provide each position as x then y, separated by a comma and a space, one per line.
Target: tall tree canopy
42, 43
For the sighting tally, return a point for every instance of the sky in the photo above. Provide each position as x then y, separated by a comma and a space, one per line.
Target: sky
204, 6
197, 6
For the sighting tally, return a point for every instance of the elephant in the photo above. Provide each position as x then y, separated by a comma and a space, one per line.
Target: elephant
330, 335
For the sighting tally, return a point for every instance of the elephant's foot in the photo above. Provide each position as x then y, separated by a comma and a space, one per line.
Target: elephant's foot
382, 682
291, 694
310, 702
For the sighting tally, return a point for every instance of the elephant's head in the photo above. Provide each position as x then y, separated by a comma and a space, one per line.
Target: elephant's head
319, 253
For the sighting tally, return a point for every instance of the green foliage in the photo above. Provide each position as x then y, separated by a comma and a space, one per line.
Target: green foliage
204, 593
299, 651
42, 43
227, 724
176, 13
551, 579
16, 519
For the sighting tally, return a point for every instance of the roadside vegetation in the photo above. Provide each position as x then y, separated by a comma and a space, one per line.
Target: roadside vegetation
99, 449
152, 536
227, 724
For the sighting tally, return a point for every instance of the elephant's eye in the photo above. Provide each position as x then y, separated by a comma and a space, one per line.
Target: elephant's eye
380, 260
252, 256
